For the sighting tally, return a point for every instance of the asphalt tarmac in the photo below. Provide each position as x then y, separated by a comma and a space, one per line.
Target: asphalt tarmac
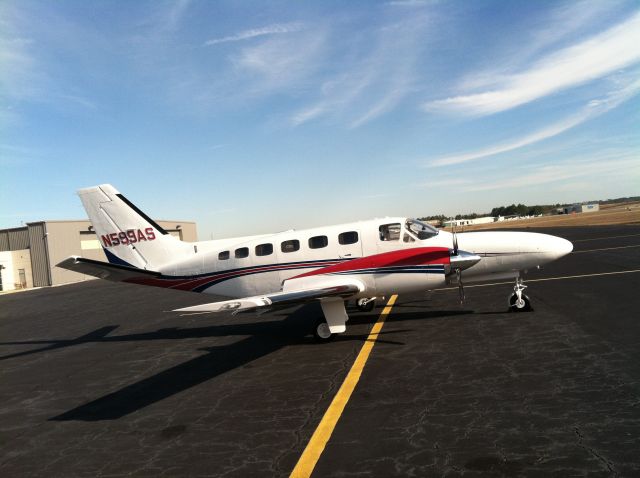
96, 379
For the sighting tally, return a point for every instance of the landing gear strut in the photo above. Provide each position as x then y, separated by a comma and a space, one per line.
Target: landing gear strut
518, 301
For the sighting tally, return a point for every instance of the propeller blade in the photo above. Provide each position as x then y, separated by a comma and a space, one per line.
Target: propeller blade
455, 244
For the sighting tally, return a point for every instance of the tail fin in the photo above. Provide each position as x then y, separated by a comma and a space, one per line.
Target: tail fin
128, 236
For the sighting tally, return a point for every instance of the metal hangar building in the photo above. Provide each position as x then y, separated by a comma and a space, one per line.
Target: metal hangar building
29, 254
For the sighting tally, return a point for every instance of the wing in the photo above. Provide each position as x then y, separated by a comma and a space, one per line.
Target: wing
105, 270
336, 290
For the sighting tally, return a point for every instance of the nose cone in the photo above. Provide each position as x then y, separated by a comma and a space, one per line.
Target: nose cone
560, 247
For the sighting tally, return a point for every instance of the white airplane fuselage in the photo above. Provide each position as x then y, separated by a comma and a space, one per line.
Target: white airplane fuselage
261, 264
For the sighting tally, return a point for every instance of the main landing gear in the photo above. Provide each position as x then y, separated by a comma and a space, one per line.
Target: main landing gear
321, 331
335, 317
518, 301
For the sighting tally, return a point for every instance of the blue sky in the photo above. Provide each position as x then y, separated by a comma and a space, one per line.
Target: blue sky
252, 117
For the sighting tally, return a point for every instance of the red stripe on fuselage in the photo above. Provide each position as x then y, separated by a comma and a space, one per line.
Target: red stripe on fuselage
405, 257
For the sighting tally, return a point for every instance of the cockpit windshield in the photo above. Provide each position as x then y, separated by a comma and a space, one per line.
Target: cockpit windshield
420, 229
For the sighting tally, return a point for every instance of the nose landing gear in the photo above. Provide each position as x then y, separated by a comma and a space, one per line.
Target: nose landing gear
518, 301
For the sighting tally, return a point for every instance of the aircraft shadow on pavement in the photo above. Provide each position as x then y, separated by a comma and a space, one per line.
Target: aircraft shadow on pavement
264, 338
94, 336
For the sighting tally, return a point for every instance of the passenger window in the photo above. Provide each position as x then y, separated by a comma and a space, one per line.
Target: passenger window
264, 249
350, 237
242, 252
318, 242
290, 246
223, 256
390, 232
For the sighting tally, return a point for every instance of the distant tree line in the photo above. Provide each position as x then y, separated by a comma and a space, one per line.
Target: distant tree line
439, 217
523, 210
617, 200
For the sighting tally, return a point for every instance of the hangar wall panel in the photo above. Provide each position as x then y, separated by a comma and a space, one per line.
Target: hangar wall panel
64, 241
39, 254
14, 239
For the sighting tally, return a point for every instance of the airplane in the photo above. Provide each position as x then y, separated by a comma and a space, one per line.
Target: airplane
360, 261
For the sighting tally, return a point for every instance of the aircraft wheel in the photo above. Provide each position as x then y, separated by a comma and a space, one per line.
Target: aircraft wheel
321, 331
519, 306
365, 306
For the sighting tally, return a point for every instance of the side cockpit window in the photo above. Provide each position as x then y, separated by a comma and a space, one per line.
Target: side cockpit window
421, 230
390, 232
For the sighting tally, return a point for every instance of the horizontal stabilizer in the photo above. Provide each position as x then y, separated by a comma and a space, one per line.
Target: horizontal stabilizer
278, 298
105, 270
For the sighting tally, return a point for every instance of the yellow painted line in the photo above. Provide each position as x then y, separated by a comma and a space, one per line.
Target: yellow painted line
320, 437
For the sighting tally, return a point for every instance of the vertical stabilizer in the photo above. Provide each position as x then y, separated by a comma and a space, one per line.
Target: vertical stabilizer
128, 235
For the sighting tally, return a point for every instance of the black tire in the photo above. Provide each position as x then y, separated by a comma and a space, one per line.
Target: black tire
525, 306
368, 307
321, 331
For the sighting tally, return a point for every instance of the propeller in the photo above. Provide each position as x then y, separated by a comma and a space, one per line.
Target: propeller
460, 260
455, 244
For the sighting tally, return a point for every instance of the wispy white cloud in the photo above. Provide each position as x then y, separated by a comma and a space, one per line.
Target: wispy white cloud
369, 88
375, 196
164, 17
573, 186
447, 182
79, 100
597, 167
567, 18
594, 58
400, 86
13, 155
552, 30
307, 115
593, 109
410, 3
175, 12
574, 173
20, 78
277, 28
33, 69
273, 64
279, 62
